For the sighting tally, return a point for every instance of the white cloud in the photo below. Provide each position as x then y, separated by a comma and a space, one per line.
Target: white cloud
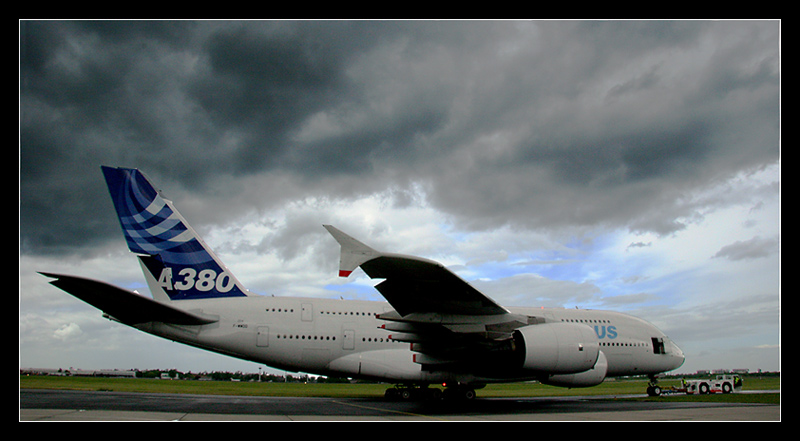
68, 332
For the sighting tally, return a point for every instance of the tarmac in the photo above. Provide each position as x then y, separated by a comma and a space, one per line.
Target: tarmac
50, 405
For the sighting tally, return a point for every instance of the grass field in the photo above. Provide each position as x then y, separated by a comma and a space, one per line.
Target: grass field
610, 387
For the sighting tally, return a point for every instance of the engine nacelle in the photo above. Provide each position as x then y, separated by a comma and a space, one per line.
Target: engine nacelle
558, 348
592, 377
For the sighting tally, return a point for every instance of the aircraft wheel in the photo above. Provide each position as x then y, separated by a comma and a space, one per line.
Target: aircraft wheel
465, 394
435, 394
653, 391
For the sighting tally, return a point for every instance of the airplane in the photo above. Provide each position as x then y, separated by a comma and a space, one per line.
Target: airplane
434, 328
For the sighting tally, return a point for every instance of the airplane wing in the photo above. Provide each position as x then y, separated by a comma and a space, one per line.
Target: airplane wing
413, 284
446, 320
123, 305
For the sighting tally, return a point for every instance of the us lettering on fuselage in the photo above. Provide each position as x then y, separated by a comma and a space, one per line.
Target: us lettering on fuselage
602, 332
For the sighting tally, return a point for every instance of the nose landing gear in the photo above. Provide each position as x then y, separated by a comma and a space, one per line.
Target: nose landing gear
653, 389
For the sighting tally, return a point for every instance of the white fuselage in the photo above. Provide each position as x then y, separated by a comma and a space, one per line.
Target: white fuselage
344, 338
460, 335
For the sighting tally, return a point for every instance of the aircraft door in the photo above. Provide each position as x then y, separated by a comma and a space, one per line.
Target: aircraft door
307, 312
262, 336
349, 339
658, 345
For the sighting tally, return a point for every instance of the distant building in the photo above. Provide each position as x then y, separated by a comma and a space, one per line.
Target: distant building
116, 373
41, 371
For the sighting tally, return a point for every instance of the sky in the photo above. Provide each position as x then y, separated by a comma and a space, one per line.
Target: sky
624, 165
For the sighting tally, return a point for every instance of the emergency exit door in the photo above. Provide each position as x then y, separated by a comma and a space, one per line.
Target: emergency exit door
262, 336
348, 339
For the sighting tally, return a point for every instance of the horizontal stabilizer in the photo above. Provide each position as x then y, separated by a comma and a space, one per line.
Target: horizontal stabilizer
123, 305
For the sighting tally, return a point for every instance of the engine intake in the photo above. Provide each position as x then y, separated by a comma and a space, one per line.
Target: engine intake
557, 348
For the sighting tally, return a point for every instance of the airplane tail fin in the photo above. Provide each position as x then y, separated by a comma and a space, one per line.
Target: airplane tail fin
176, 262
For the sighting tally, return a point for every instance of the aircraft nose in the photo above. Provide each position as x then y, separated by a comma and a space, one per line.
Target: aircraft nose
677, 356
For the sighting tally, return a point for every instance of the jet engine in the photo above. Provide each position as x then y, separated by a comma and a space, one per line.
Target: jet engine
557, 348
592, 377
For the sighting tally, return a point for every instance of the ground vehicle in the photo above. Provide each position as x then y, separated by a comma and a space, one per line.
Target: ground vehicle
723, 383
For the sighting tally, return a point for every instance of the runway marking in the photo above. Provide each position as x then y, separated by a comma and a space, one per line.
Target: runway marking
390, 411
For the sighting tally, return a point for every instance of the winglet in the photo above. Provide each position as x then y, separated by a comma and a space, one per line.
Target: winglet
353, 252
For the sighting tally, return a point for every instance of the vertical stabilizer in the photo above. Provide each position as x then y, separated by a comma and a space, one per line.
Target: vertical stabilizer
177, 263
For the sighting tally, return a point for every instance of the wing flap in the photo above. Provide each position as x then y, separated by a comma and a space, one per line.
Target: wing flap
123, 305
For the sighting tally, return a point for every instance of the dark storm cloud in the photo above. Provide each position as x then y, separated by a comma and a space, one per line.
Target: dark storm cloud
262, 83
529, 123
183, 99
619, 125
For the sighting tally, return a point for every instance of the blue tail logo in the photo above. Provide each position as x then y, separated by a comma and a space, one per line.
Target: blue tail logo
178, 260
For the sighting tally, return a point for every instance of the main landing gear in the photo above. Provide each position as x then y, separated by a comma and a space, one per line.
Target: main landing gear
412, 392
